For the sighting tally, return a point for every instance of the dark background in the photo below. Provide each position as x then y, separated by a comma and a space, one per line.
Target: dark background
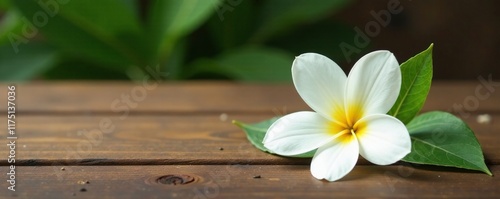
466, 34
254, 40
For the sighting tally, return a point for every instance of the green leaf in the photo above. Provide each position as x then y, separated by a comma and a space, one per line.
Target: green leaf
252, 64
10, 24
71, 68
319, 38
175, 61
170, 20
416, 83
100, 31
132, 5
256, 133
440, 138
281, 15
26, 63
4, 4
221, 26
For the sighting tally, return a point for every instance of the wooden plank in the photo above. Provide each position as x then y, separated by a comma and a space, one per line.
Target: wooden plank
237, 181
176, 97
195, 97
162, 139
184, 139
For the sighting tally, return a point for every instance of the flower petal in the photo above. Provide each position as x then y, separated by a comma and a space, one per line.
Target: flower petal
383, 139
320, 82
334, 160
374, 83
298, 133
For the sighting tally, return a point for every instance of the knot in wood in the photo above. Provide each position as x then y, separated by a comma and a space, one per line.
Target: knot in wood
175, 179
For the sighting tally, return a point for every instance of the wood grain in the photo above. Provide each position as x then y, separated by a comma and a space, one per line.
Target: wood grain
163, 139
73, 132
238, 181
217, 97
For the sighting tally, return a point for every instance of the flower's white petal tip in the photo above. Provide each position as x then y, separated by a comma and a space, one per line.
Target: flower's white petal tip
320, 82
297, 133
382, 145
379, 54
335, 160
329, 178
374, 82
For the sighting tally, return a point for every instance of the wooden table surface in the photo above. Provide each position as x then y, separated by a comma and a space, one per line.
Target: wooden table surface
176, 140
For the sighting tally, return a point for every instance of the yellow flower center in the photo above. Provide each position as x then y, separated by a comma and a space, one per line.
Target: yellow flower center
346, 124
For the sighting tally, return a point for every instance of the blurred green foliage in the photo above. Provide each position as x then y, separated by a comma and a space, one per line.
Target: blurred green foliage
247, 40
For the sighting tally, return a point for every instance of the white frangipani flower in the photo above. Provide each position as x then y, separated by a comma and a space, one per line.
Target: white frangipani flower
350, 115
